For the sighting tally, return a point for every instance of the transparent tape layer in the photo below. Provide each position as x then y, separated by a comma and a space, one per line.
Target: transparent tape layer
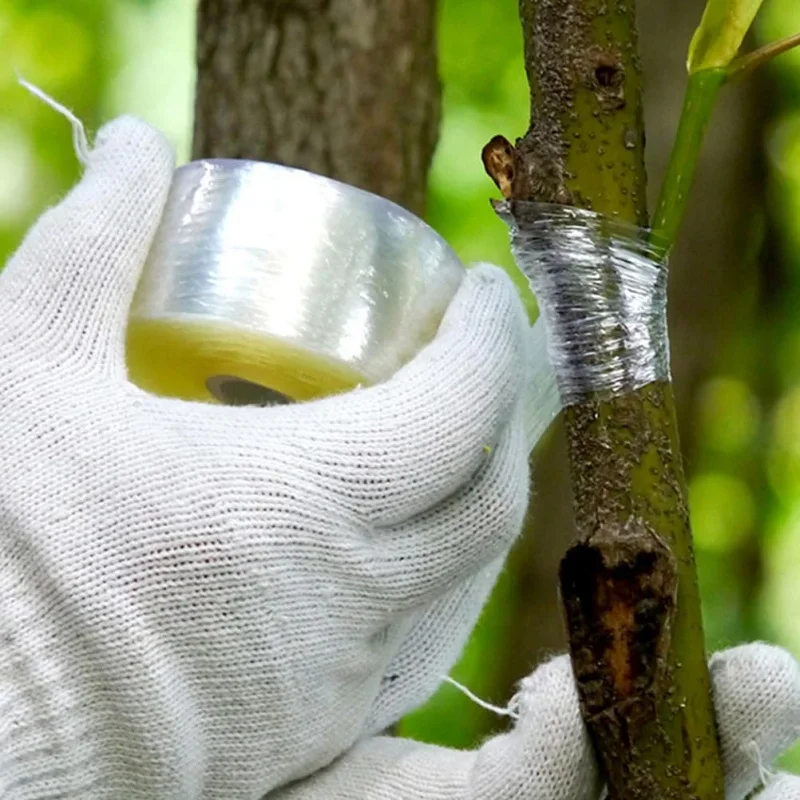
601, 287
542, 398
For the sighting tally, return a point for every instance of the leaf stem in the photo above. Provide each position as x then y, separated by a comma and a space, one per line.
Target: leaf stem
698, 105
750, 62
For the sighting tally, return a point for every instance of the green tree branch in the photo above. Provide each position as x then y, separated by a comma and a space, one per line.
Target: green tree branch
628, 582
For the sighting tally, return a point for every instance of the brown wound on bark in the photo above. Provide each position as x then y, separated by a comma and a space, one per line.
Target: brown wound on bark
619, 597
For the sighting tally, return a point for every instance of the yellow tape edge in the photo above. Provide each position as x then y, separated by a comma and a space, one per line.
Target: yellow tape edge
175, 357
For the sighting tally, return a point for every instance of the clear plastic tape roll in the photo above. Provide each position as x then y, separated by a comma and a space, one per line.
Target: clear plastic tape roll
266, 283
602, 294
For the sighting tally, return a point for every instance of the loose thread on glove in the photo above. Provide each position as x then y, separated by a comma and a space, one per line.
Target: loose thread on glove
510, 711
753, 751
79, 139
602, 292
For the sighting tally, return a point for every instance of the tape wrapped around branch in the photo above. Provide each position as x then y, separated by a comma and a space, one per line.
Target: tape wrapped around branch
601, 287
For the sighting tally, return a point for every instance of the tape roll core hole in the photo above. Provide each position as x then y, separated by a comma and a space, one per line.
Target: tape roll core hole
233, 391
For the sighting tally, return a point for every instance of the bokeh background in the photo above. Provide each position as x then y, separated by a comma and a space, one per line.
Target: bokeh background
734, 292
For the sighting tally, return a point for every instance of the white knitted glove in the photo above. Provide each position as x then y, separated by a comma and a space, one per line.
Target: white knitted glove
211, 602
548, 755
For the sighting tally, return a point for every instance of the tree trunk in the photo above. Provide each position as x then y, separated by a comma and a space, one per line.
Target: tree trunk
343, 88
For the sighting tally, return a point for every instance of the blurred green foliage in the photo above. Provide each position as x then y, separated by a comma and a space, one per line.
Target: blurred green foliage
106, 57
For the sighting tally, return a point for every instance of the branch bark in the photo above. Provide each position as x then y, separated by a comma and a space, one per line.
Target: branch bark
344, 88
628, 582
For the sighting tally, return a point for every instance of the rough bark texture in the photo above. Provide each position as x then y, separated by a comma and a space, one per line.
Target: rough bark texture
344, 88
585, 143
632, 603
629, 583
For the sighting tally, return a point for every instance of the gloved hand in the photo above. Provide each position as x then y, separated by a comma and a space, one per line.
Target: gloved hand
548, 755
201, 601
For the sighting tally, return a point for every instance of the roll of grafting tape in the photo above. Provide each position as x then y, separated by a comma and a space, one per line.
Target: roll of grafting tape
268, 284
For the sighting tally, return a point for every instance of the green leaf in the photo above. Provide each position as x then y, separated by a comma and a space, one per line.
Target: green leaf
720, 34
